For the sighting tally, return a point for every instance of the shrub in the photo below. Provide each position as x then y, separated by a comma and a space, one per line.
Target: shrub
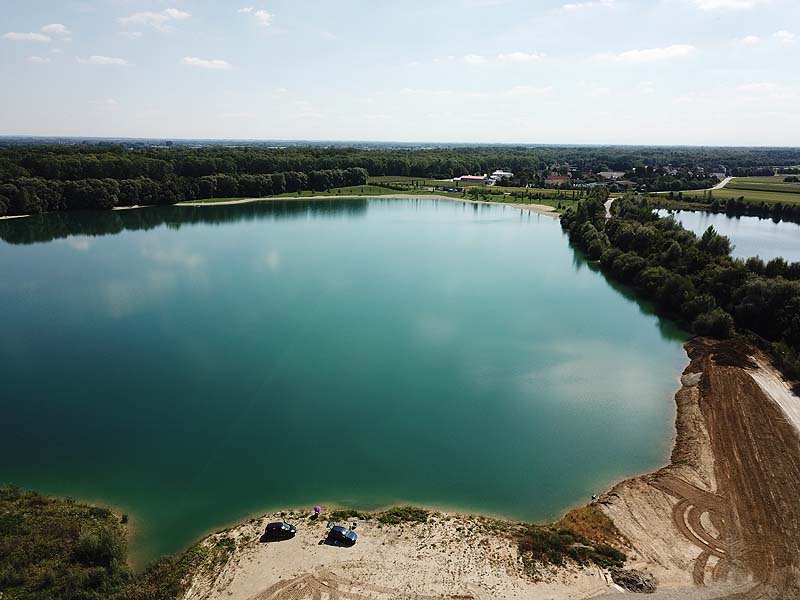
402, 514
349, 513
716, 323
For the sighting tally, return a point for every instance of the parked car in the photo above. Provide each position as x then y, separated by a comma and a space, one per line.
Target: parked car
280, 530
341, 536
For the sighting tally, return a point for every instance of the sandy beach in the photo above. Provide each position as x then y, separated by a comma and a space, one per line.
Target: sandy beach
542, 209
722, 520
450, 556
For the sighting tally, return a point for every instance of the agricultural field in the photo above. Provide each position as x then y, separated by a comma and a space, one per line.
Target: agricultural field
754, 190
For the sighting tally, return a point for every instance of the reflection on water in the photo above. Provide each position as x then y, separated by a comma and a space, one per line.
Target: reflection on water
50, 226
366, 352
669, 329
751, 236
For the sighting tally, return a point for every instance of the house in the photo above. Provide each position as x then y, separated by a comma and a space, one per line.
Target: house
500, 174
475, 179
556, 179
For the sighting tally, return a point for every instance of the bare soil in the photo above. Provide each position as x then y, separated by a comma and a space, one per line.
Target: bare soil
731, 491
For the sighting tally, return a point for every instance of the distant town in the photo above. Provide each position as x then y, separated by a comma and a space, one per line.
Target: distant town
567, 176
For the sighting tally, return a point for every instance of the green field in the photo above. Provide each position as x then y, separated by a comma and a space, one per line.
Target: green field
775, 180
754, 190
410, 181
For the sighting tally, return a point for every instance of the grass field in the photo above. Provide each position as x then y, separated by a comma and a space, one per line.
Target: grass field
775, 180
410, 181
754, 190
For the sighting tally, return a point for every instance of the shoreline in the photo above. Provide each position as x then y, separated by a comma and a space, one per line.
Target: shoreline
675, 522
721, 520
541, 209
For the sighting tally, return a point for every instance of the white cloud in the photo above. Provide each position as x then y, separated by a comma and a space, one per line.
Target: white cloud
263, 17
103, 60
238, 115
214, 64
26, 37
419, 92
757, 87
787, 38
509, 57
590, 4
750, 40
648, 54
56, 29
159, 21
724, 4
131, 35
646, 87
527, 90
104, 102
599, 92
38, 59
519, 57
475, 59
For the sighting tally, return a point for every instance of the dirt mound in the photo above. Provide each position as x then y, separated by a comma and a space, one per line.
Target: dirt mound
731, 492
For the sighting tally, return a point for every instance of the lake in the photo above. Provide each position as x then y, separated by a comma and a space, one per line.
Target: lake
751, 236
196, 366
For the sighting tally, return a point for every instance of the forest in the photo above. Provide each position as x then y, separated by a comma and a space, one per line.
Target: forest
692, 279
51, 177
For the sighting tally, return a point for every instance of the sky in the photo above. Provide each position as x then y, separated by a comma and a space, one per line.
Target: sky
694, 72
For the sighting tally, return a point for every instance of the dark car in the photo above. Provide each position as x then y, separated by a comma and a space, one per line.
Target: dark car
341, 536
279, 530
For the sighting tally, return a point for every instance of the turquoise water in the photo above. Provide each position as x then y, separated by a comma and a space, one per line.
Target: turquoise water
196, 366
751, 236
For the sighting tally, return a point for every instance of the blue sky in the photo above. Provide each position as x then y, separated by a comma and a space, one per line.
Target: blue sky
717, 72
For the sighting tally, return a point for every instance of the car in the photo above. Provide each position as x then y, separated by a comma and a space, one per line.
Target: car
280, 530
341, 536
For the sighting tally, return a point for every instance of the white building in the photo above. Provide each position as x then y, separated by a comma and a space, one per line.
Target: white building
500, 174
479, 179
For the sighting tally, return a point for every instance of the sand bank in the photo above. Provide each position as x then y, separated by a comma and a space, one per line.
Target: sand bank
450, 556
541, 209
536, 208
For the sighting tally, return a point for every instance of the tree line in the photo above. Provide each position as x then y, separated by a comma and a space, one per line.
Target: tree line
32, 195
41, 177
125, 161
692, 279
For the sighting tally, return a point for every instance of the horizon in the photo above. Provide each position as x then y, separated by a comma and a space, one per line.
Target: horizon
495, 72
353, 142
